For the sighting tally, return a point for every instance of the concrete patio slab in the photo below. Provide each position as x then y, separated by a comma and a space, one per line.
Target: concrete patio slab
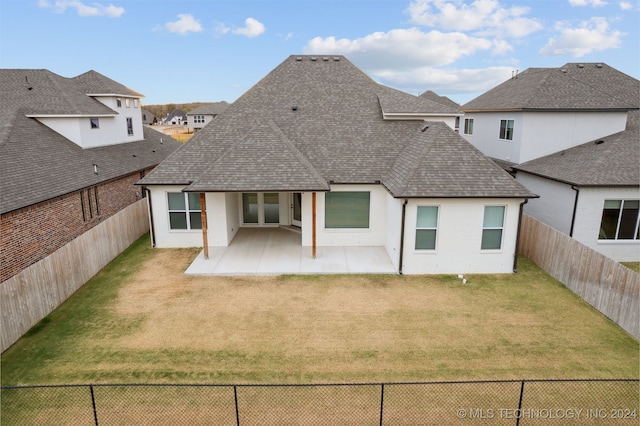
275, 251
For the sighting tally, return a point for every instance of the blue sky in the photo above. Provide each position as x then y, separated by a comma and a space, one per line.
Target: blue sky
212, 50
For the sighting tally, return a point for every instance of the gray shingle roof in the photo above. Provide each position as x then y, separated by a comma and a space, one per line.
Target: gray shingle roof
213, 108
94, 83
589, 86
434, 97
610, 161
395, 101
36, 163
326, 115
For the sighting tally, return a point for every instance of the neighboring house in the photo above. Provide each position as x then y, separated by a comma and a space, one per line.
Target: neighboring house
71, 150
319, 145
176, 117
545, 110
443, 100
592, 192
570, 135
201, 116
148, 118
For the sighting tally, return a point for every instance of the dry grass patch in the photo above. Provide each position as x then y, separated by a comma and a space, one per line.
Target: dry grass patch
161, 326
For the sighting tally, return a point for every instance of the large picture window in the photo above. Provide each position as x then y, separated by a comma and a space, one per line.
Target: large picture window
346, 209
619, 220
184, 210
492, 227
506, 129
426, 227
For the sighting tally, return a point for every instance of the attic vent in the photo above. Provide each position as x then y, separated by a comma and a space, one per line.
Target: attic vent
314, 58
298, 58
294, 107
599, 142
598, 65
336, 58
564, 70
580, 65
325, 58
425, 127
26, 82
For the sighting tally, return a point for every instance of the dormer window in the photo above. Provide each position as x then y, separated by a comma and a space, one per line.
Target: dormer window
95, 123
119, 102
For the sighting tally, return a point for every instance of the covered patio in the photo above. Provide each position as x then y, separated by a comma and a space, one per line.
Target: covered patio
278, 250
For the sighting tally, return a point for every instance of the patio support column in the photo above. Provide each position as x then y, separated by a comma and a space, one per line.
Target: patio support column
313, 225
203, 217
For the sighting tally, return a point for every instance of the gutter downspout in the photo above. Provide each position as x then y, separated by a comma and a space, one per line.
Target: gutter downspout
575, 208
151, 224
404, 214
515, 256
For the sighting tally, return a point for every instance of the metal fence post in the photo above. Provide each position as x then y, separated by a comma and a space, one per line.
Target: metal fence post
520, 404
381, 402
235, 397
93, 404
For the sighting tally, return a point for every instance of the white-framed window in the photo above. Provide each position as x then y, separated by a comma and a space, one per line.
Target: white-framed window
506, 129
426, 227
492, 227
95, 123
127, 102
136, 103
198, 119
346, 210
620, 220
468, 126
130, 126
119, 102
184, 210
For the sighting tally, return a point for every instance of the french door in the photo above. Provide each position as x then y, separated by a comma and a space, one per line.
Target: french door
260, 208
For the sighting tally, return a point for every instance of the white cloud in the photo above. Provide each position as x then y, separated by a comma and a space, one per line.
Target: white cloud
626, 5
97, 9
252, 28
185, 24
486, 16
594, 3
403, 47
592, 35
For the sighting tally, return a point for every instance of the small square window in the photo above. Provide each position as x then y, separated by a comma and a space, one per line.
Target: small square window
506, 129
95, 123
119, 102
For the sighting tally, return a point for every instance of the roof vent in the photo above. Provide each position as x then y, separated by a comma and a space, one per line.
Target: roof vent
298, 58
26, 82
325, 58
336, 58
599, 142
564, 70
580, 65
425, 127
95, 169
294, 107
314, 58
598, 65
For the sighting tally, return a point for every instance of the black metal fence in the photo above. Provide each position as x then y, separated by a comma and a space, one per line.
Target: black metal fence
504, 402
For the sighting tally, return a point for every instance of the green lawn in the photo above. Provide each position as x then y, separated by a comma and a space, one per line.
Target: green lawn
141, 320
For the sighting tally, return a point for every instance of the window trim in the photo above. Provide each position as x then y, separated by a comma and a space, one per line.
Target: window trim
506, 132
187, 211
488, 228
619, 222
468, 126
94, 123
419, 228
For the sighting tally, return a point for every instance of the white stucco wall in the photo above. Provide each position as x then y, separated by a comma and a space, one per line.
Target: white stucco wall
459, 237
555, 205
393, 229
165, 237
375, 235
112, 129
589, 215
536, 134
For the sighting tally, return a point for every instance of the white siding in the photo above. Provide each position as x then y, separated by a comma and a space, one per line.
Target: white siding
459, 237
589, 216
555, 205
536, 134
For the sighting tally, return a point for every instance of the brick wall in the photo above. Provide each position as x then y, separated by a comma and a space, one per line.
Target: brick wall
34, 232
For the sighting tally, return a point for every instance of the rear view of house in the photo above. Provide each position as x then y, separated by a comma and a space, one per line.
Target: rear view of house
318, 145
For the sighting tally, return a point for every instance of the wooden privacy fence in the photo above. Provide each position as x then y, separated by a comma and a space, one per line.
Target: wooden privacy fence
32, 294
608, 286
